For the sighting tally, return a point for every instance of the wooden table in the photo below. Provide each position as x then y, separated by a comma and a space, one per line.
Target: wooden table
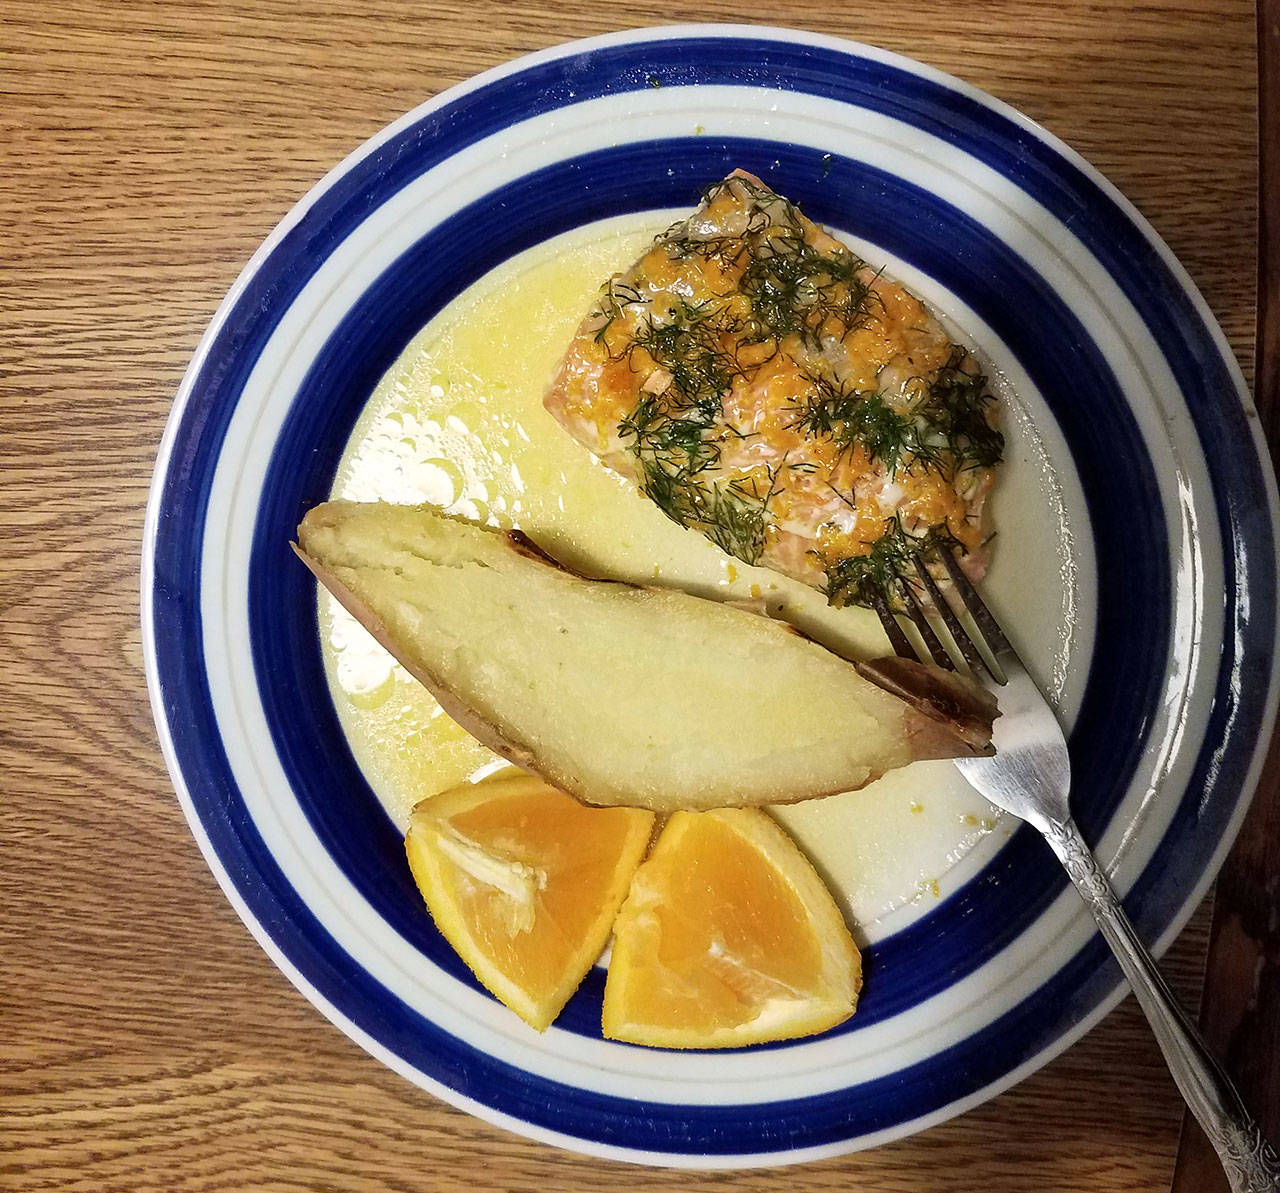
146, 1043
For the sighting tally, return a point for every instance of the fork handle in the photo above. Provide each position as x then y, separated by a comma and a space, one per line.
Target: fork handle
1250, 1162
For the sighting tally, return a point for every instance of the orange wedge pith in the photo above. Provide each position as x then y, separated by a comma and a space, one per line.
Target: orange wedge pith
524, 882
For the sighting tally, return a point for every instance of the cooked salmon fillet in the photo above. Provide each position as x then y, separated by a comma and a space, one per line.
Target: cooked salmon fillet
768, 388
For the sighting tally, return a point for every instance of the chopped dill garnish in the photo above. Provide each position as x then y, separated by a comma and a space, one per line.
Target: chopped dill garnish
732, 515
854, 418
766, 200
668, 429
734, 519
689, 344
861, 579
725, 249
945, 428
615, 297
681, 240
670, 440
793, 288
957, 406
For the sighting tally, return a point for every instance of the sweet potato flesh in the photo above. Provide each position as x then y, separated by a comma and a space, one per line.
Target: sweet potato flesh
617, 694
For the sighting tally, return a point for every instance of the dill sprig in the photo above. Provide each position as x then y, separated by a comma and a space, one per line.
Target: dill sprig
668, 430
956, 406
690, 344
946, 428
732, 515
875, 575
725, 248
793, 288
671, 439
615, 297
853, 418
683, 239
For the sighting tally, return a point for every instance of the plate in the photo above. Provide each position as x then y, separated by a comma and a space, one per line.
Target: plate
1070, 293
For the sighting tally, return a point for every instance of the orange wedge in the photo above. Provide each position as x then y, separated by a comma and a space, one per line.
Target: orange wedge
524, 882
728, 937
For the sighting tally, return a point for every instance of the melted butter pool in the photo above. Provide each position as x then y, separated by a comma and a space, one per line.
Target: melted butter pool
458, 422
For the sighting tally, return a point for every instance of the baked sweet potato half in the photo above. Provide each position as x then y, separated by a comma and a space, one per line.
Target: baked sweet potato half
621, 694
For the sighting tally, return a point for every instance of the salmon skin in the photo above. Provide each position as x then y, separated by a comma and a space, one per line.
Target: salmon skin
767, 387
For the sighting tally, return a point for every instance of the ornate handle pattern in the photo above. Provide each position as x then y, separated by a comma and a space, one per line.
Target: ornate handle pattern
1250, 1162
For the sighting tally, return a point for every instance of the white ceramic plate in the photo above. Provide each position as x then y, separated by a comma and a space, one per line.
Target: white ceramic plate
1068, 290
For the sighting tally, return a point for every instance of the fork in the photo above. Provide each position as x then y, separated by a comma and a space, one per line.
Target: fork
1029, 775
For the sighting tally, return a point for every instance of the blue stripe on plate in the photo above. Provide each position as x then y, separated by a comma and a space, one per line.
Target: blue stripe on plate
1205, 379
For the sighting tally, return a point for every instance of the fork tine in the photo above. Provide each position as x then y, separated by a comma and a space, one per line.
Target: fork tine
981, 615
972, 655
897, 639
917, 614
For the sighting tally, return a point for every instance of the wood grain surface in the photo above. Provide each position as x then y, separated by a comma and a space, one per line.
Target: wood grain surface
146, 1043
1240, 1015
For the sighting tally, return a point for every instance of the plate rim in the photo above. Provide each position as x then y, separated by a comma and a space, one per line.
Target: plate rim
657, 34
